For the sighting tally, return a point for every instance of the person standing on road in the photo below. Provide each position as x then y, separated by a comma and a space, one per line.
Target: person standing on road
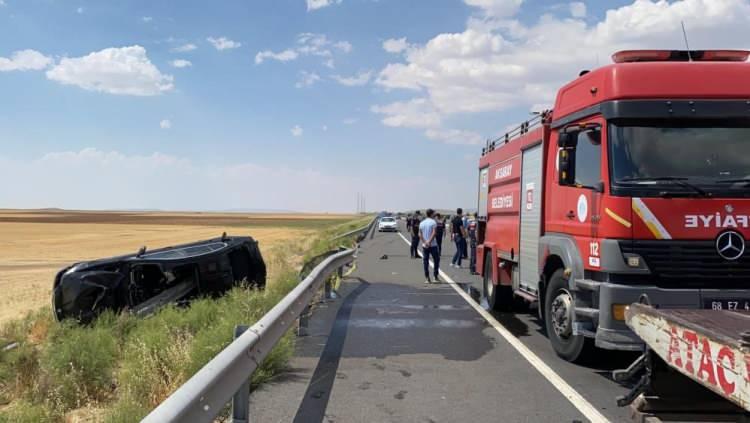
458, 235
440, 232
472, 231
427, 235
415, 220
465, 222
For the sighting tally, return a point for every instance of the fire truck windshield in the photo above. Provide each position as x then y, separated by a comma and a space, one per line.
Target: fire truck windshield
651, 155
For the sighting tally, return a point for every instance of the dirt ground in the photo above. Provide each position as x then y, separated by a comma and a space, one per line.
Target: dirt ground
34, 245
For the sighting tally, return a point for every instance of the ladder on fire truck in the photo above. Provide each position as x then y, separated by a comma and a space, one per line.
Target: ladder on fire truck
539, 119
696, 365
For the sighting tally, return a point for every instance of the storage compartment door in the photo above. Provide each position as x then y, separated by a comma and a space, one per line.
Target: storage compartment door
484, 188
531, 214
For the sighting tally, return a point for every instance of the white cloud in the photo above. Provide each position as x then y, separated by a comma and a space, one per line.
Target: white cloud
181, 63
185, 48
416, 113
80, 10
395, 45
2, 2
223, 43
308, 44
496, 64
359, 79
344, 46
319, 4
454, 136
350, 121
325, 128
540, 107
165, 124
496, 8
147, 19
307, 79
283, 56
314, 44
24, 60
296, 131
578, 9
122, 71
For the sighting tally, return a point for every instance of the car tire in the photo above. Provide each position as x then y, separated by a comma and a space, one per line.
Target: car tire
559, 312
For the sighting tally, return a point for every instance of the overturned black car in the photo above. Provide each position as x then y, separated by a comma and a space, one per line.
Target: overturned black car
145, 281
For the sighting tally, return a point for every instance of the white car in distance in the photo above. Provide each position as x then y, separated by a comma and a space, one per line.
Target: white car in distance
387, 224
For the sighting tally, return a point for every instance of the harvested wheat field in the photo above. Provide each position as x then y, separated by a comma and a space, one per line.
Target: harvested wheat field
34, 245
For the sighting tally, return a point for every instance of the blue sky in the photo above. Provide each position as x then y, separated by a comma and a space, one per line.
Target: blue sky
294, 104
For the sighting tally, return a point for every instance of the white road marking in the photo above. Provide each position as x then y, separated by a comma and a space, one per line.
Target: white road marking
578, 401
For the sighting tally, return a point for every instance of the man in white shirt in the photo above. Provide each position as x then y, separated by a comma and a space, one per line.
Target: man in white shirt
427, 233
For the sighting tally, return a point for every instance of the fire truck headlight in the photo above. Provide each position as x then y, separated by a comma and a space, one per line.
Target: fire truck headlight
618, 311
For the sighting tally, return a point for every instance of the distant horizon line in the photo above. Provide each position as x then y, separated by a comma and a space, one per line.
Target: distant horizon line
136, 210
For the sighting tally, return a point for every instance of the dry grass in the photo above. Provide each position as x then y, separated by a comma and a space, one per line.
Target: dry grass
34, 245
120, 367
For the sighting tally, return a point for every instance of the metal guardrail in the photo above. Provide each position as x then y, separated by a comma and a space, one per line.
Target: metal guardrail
205, 394
365, 229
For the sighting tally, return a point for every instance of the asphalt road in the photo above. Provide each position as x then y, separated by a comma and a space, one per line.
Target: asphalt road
393, 349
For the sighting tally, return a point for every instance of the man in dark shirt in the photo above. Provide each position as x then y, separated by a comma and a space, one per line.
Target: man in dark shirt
415, 234
458, 234
439, 232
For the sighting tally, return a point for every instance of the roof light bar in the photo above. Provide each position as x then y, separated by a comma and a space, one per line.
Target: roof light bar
725, 55
641, 56
629, 56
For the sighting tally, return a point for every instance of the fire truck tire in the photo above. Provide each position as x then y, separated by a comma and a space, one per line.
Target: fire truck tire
488, 289
558, 319
499, 297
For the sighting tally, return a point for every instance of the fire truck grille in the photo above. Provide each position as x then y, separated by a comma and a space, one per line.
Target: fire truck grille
690, 264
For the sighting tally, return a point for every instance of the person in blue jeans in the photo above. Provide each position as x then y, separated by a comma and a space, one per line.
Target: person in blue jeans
458, 234
427, 234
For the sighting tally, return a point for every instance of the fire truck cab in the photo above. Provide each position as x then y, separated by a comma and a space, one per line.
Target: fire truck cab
636, 184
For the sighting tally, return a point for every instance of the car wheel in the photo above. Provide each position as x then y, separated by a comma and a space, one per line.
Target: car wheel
559, 313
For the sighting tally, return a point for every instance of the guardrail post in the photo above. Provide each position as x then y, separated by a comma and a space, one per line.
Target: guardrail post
303, 319
329, 289
241, 400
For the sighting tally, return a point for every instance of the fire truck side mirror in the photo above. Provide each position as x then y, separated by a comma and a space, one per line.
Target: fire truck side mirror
566, 168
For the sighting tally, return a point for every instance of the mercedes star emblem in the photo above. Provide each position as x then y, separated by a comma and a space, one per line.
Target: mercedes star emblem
729, 208
730, 245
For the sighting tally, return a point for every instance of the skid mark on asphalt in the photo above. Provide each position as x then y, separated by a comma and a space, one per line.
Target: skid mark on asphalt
578, 401
317, 395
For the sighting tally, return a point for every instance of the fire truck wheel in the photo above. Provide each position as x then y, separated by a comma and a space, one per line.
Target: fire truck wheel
490, 293
497, 295
558, 319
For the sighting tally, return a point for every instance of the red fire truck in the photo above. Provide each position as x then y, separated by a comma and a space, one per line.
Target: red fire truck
637, 183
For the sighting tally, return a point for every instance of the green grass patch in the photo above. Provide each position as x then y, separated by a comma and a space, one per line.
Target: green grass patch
120, 367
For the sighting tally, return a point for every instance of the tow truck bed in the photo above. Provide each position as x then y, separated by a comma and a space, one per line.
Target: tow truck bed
708, 347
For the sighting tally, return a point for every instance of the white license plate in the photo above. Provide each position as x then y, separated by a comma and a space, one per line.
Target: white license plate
727, 304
